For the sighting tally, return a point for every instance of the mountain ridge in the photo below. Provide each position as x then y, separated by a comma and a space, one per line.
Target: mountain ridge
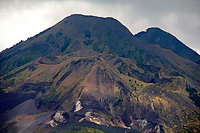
93, 69
166, 40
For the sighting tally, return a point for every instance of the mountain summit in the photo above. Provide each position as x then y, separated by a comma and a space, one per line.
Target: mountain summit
168, 41
73, 33
90, 74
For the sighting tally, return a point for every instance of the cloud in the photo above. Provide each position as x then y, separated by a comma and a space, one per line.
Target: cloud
20, 19
170, 19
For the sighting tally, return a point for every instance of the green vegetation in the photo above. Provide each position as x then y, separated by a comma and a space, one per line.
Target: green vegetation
193, 95
21, 77
87, 34
88, 127
89, 130
53, 94
88, 42
117, 101
135, 84
49, 38
143, 80
67, 42
156, 36
59, 34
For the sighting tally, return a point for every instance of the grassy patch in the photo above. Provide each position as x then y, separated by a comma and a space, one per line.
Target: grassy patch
134, 84
89, 130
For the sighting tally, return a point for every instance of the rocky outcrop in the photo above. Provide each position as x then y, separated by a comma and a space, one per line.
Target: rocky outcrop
146, 126
94, 117
52, 123
78, 106
57, 118
101, 119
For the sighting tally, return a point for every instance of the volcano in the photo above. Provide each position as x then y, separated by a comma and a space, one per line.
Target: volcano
91, 74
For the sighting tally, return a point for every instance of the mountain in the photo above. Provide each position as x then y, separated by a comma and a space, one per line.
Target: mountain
90, 74
71, 34
165, 40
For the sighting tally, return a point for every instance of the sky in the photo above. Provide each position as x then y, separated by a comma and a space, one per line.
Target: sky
21, 19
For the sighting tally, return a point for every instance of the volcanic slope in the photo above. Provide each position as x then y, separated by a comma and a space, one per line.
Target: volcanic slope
93, 69
165, 40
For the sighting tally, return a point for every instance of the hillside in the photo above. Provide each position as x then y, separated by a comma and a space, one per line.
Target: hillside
91, 71
165, 40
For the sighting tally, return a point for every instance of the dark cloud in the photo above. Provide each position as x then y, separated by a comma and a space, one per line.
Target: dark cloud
20, 19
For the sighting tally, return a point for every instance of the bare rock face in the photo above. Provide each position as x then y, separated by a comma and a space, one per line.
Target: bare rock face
100, 119
52, 123
78, 106
57, 118
142, 123
95, 118
146, 126
92, 118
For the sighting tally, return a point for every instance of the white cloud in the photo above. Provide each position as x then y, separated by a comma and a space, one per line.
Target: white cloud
141, 24
170, 19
